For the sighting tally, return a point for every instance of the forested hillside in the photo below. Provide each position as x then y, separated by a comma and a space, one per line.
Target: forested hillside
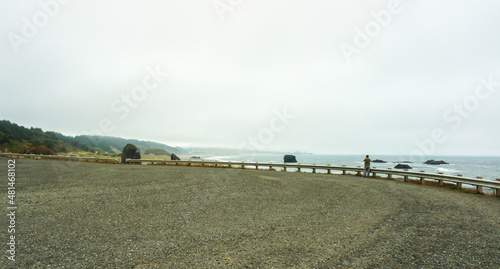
19, 139
108, 143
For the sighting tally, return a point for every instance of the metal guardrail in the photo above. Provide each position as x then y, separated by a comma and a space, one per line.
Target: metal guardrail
479, 183
422, 176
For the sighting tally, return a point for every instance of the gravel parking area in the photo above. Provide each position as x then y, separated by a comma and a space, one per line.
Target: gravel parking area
89, 215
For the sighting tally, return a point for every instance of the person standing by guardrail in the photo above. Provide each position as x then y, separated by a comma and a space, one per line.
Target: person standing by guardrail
367, 161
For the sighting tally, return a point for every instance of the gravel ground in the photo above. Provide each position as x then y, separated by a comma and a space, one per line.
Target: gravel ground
88, 215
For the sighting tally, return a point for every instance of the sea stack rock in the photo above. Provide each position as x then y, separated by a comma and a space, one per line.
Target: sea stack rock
378, 161
174, 157
130, 152
403, 166
433, 162
289, 159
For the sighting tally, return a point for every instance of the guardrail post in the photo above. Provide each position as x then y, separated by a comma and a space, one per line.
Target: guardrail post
498, 190
270, 167
298, 168
459, 184
343, 171
389, 176
359, 172
405, 176
440, 181
243, 165
479, 189
314, 169
256, 166
373, 173
422, 179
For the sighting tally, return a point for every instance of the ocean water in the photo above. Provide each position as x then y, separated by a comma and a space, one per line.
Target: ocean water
486, 167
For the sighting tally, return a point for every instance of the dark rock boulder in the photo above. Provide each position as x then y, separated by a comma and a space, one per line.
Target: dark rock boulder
174, 157
433, 162
403, 166
378, 161
130, 152
289, 159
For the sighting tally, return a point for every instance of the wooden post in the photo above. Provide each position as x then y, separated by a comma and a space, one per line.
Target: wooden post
257, 166
405, 177
284, 168
359, 172
422, 179
459, 184
440, 181
298, 168
243, 165
479, 189
373, 173
314, 169
343, 171
498, 190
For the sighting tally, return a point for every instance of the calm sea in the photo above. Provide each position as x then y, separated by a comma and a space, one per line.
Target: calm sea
487, 167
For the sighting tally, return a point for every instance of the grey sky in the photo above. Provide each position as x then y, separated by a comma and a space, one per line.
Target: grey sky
389, 77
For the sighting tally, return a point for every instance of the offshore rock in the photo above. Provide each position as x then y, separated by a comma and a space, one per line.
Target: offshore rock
403, 166
289, 159
433, 162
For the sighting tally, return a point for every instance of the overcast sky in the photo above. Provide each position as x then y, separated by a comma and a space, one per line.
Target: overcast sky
340, 77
